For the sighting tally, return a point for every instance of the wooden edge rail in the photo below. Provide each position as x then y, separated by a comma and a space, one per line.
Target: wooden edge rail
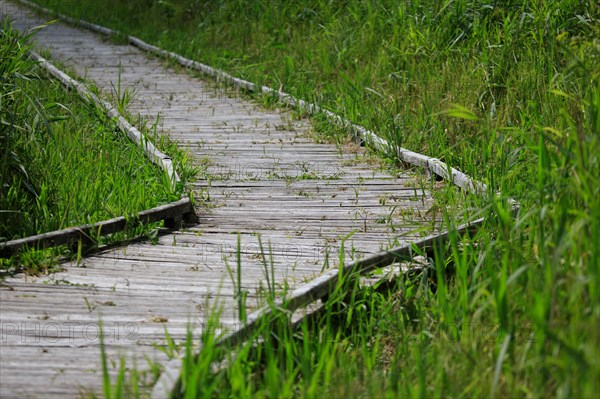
319, 288
152, 153
172, 214
433, 165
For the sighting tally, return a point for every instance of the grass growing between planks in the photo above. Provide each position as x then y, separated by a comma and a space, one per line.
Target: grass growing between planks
509, 92
63, 162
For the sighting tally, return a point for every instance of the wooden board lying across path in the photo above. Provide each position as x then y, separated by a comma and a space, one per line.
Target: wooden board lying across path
264, 178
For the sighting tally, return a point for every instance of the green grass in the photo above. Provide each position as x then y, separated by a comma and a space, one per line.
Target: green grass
63, 162
508, 92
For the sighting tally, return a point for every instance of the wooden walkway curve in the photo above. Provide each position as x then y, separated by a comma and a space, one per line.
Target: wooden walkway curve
263, 176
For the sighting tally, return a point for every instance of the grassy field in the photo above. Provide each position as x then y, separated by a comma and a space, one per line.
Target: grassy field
508, 92
63, 162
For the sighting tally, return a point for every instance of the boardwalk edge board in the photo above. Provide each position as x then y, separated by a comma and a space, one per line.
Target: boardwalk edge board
152, 153
171, 213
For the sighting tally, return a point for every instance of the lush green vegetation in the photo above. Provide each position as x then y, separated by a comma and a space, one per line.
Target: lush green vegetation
63, 162
509, 92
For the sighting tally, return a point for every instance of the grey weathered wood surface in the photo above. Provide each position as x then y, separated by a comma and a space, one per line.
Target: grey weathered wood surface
89, 232
264, 176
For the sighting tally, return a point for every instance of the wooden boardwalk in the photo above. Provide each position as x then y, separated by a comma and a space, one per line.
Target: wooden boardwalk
263, 176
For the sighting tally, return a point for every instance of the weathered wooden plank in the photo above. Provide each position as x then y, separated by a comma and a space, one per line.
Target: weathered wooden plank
89, 232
